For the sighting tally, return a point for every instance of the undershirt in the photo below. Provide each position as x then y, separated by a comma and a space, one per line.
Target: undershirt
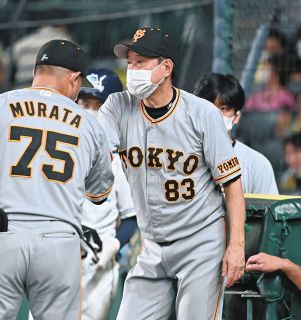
156, 113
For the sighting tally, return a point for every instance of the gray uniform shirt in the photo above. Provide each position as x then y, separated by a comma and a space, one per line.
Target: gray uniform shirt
257, 171
173, 164
52, 153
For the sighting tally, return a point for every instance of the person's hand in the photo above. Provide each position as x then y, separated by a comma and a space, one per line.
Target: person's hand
264, 263
233, 263
110, 247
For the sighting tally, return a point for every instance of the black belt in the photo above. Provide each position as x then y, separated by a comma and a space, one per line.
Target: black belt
165, 244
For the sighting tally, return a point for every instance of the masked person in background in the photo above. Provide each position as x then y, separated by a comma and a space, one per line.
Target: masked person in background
275, 44
274, 95
228, 96
100, 269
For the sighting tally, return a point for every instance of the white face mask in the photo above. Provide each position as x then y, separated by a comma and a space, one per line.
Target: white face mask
228, 122
93, 113
139, 82
263, 75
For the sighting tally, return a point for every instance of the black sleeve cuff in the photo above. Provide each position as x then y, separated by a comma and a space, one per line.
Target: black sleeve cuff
232, 180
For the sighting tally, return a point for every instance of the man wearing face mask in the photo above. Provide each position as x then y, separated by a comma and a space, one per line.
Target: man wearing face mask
175, 150
258, 177
228, 96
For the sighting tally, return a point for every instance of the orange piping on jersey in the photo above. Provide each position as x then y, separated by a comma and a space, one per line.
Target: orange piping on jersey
99, 195
222, 278
171, 110
218, 298
221, 178
45, 88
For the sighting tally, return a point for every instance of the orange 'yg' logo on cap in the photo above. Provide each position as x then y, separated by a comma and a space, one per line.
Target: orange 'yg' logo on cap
139, 34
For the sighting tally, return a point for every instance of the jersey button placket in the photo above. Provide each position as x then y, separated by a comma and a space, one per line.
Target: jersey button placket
152, 184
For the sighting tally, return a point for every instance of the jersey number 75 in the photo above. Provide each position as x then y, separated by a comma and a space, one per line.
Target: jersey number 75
23, 167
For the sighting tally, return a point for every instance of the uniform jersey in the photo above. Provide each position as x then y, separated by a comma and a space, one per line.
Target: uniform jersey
52, 153
173, 163
103, 218
257, 171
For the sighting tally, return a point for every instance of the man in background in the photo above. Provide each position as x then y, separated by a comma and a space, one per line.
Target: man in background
226, 93
25, 49
100, 277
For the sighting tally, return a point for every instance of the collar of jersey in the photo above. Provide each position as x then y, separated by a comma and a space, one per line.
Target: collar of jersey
45, 88
166, 115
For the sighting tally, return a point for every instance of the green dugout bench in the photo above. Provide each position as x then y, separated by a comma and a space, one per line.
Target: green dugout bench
273, 226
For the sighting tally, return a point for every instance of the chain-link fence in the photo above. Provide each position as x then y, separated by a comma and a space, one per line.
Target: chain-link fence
266, 57
249, 15
98, 25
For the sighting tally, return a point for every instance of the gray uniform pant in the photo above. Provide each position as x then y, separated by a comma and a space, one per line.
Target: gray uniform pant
177, 281
41, 259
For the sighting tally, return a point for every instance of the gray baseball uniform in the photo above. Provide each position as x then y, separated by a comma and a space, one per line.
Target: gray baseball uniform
173, 165
52, 153
257, 171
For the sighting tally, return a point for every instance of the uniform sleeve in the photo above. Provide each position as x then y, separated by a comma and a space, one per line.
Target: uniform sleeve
218, 151
109, 117
124, 200
100, 180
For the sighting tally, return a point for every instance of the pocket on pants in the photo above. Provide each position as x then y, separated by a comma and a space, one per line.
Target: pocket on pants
60, 234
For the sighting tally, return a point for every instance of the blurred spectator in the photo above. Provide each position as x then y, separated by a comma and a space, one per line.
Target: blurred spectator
294, 83
274, 95
290, 182
25, 49
296, 123
295, 56
275, 44
284, 121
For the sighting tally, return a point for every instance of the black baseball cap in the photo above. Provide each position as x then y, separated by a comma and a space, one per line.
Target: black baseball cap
149, 42
66, 54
